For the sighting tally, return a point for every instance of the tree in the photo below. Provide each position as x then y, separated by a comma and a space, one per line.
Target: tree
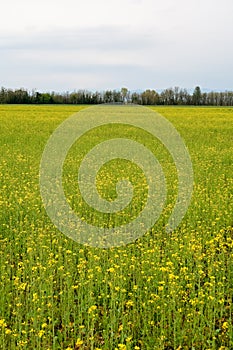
116, 96
171, 96
197, 95
124, 94
136, 98
167, 96
150, 97
108, 96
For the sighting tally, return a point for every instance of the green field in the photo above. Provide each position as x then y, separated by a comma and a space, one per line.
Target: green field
165, 291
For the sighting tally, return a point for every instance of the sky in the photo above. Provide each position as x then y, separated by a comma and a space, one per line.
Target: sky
57, 45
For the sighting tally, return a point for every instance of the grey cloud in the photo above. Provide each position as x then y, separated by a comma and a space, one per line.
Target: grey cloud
112, 57
99, 38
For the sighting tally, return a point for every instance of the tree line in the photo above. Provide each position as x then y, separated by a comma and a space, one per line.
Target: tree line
171, 96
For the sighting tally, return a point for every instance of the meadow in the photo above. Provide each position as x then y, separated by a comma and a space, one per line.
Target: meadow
171, 291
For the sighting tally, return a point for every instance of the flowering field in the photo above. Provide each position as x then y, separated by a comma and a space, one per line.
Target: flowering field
165, 291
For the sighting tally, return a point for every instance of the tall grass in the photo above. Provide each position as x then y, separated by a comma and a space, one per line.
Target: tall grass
164, 291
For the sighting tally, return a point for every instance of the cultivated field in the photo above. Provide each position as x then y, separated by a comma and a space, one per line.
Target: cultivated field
165, 291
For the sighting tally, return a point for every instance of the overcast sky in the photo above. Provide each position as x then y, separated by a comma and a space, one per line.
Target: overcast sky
106, 44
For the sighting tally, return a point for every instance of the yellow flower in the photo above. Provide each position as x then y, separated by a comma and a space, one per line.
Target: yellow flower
3, 323
35, 297
79, 342
122, 346
75, 287
41, 333
92, 308
225, 325
111, 269
129, 303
